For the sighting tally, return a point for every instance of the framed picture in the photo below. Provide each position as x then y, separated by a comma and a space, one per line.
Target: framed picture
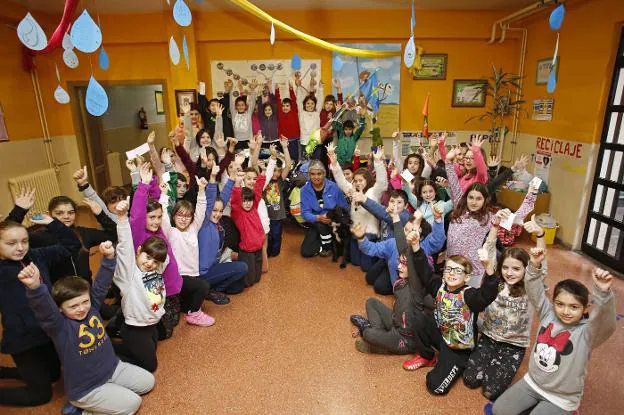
468, 93
543, 70
184, 97
432, 66
160, 104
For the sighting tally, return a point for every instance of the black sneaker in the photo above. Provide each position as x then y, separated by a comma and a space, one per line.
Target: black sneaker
218, 298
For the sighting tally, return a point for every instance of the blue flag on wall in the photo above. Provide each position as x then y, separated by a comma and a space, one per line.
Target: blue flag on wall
370, 90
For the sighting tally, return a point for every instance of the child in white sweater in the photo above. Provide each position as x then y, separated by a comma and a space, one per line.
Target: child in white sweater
182, 235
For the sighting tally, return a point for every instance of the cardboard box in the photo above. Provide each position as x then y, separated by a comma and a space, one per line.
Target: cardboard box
512, 200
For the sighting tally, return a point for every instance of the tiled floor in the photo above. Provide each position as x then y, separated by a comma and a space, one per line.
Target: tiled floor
285, 347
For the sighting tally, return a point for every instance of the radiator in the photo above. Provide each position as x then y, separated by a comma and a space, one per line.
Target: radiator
46, 183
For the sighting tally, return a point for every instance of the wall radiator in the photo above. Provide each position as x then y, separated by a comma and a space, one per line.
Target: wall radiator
46, 183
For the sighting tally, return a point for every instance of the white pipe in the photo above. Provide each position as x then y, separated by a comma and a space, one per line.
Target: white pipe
527, 11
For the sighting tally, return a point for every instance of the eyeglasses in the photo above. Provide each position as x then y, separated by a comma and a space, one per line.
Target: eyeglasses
456, 271
182, 215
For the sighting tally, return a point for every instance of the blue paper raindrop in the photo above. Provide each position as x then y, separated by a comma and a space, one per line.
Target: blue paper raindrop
96, 99
556, 17
186, 53
338, 64
85, 34
295, 63
103, 59
552, 82
181, 13
174, 51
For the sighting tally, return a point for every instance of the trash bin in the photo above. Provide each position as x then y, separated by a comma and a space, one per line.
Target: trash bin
550, 226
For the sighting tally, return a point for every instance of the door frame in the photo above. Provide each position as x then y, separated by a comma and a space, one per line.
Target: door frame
78, 115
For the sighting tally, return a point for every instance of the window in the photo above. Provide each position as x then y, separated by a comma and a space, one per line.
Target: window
604, 229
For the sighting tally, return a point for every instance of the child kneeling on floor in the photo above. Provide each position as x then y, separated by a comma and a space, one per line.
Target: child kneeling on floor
95, 379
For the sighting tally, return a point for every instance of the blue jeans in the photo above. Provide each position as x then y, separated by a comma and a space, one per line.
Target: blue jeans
228, 277
274, 238
360, 259
294, 149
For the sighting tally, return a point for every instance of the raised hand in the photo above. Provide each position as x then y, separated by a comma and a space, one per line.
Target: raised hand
358, 197
500, 216
418, 217
220, 141
30, 276
451, 154
233, 141
331, 149
379, 154
239, 159
228, 85
442, 182
537, 255
284, 142
173, 138
478, 140
121, 208
437, 211
202, 182
41, 219
166, 157
413, 238
358, 230
442, 138
219, 110
602, 279
80, 176
164, 187
391, 210
240, 176
107, 249
151, 138
520, 163
93, 205
146, 173
433, 142
357, 151
131, 165
26, 198
273, 150
484, 257
493, 161
532, 227
185, 107
254, 84
336, 83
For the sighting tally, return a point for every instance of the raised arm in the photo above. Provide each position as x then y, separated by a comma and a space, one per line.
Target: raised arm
104, 276
138, 211
456, 191
533, 284
602, 319
125, 250
381, 178
40, 301
154, 156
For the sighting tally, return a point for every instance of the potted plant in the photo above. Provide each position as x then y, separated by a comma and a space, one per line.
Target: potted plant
503, 90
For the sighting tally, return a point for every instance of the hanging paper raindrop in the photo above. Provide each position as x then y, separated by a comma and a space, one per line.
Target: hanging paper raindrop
103, 59
70, 58
181, 13
31, 34
272, 37
96, 99
174, 52
85, 33
67, 43
409, 55
556, 17
295, 62
185, 52
338, 64
61, 96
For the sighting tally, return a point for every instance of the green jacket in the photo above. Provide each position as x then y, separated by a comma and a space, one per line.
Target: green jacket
346, 145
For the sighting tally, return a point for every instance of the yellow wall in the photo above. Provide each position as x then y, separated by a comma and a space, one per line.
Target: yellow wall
588, 43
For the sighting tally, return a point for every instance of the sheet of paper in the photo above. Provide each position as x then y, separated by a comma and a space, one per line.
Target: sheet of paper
139, 151
166, 177
202, 88
536, 182
506, 224
407, 176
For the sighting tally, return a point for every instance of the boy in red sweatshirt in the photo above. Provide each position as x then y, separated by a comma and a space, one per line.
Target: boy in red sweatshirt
288, 121
245, 215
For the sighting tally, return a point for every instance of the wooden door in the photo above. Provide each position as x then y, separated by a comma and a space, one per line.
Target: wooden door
93, 137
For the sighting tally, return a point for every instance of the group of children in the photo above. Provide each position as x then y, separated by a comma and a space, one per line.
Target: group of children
204, 216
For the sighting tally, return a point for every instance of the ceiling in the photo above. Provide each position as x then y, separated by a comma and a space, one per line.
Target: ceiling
151, 6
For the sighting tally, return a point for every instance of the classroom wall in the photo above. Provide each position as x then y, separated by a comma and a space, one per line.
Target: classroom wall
588, 42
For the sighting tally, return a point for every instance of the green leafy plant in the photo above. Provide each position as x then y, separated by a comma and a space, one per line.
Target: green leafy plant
502, 89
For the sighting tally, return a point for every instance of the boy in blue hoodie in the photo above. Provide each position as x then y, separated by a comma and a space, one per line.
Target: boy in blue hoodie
433, 239
94, 378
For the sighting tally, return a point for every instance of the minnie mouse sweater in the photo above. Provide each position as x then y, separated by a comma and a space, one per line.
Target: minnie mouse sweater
558, 364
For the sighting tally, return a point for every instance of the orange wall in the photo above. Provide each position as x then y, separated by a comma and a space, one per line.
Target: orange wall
588, 40
138, 49
463, 36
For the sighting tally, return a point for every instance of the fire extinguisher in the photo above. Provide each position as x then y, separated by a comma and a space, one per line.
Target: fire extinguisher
142, 119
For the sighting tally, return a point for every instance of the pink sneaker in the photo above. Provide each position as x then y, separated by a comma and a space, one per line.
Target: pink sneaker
199, 318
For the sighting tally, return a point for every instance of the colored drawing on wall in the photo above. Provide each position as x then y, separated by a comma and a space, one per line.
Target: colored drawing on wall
355, 71
263, 71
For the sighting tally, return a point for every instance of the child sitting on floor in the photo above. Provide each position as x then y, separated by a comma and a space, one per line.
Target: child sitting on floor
94, 378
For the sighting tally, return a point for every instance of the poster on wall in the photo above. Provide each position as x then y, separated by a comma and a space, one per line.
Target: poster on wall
278, 70
353, 71
542, 166
543, 109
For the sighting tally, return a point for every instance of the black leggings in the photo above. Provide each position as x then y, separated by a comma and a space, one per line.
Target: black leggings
318, 236
38, 368
139, 346
194, 291
493, 365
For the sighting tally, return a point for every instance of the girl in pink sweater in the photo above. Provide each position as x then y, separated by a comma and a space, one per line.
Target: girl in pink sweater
475, 169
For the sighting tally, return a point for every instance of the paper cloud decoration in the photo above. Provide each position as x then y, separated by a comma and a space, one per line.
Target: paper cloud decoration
85, 34
31, 34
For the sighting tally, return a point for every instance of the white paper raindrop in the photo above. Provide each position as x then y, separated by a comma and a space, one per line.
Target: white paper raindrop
31, 34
